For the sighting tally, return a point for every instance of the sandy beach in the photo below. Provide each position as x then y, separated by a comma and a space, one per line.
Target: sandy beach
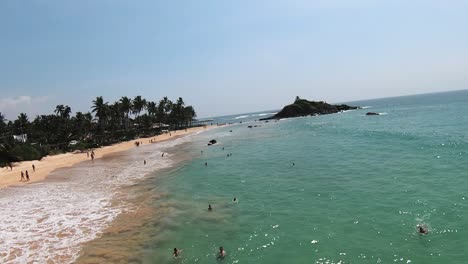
50, 163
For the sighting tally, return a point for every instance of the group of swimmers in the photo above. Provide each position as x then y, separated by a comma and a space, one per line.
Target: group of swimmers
221, 253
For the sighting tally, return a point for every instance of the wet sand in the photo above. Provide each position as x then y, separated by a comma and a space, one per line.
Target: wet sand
50, 163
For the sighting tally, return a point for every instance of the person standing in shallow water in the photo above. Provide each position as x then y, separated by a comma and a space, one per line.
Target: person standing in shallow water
209, 207
422, 230
176, 252
221, 253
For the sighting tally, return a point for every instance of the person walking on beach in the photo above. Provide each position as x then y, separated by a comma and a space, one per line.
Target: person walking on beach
11, 166
176, 252
22, 176
144, 162
34, 168
87, 153
92, 155
27, 175
221, 253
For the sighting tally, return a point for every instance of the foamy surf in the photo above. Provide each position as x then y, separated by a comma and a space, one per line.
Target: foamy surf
50, 222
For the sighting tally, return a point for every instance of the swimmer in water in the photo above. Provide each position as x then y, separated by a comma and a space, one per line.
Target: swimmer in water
209, 207
234, 200
176, 252
221, 253
206, 163
422, 229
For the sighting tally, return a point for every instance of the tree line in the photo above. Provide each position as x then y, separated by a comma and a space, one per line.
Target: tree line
105, 124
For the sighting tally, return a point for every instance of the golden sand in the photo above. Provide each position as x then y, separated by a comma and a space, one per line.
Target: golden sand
50, 163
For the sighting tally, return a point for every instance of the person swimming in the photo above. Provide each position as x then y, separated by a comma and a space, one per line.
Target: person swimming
176, 252
221, 253
209, 207
422, 229
234, 200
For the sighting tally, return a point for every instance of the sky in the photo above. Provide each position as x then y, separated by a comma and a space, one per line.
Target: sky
227, 57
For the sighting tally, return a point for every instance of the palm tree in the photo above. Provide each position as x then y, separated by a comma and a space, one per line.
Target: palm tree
189, 115
152, 109
138, 105
126, 106
2, 124
23, 122
101, 110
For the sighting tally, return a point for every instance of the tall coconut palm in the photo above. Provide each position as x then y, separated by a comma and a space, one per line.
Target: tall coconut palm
189, 115
126, 106
139, 105
101, 111
2, 124
23, 121
152, 109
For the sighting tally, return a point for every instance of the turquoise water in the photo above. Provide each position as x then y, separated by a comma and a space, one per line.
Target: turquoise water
359, 187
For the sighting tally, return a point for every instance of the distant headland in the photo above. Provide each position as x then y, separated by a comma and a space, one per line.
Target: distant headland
302, 107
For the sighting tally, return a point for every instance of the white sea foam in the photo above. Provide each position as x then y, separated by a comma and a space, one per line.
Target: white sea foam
241, 117
265, 114
49, 222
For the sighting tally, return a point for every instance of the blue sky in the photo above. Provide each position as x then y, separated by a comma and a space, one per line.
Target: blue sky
227, 57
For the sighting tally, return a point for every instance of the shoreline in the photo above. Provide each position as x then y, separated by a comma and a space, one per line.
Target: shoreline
48, 164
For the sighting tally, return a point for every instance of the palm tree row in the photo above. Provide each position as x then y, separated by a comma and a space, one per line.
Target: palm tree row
122, 120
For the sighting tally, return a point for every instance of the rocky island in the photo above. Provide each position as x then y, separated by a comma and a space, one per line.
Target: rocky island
302, 107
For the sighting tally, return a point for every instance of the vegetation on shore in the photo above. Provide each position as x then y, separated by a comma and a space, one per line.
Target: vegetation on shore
106, 124
302, 107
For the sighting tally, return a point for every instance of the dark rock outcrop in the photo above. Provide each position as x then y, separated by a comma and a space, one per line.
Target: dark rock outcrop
302, 107
372, 113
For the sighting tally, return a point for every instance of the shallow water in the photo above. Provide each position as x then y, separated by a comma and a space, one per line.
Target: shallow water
359, 187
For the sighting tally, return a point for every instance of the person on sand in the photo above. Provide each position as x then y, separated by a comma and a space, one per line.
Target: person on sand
221, 253
34, 168
210, 208
422, 229
87, 153
27, 175
92, 156
22, 176
11, 166
176, 252
144, 162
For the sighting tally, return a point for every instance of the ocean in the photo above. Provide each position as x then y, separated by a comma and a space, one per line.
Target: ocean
340, 188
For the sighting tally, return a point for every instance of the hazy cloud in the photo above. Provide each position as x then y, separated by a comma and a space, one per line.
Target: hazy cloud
12, 106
